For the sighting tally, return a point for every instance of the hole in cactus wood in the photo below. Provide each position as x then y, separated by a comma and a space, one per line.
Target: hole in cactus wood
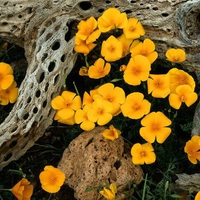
85, 5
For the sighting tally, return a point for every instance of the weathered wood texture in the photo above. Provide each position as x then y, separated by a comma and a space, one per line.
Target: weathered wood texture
43, 29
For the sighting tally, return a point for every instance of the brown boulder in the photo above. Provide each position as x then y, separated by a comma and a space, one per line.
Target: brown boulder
92, 161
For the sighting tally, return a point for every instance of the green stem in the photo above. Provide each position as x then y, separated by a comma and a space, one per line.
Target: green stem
76, 88
144, 188
86, 62
50, 196
9, 190
19, 172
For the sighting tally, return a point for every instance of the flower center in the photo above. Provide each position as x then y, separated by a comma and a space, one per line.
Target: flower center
183, 98
155, 127
143, 153
52, 179
158, 84
111, 49
136, 107
136, 70
132, 28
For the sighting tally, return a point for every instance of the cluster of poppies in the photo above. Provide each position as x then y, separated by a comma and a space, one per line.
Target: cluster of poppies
100, 105
118, 42
8, 86
51, 179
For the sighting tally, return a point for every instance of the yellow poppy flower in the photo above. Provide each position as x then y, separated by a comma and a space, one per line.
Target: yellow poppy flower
110, 19
112, 133
197, 197
137, 70
154, 127
83, 71
192, 148
109, 193
9, 95
111, 49
135, 106
82, 47
180, 77
66, 104
184, 93
159, 85
86, 30
100, 111
114, 95
145, 48
6, 76
122, 68
143, 154
99, 69
175, 55
23, 190
81, 118
68, 121
134, 29
88, 98
126, 43
51, 179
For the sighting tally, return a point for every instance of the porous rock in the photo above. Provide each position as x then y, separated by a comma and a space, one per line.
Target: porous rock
92, 161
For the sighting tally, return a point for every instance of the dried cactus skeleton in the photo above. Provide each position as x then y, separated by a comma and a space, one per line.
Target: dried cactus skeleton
43, 29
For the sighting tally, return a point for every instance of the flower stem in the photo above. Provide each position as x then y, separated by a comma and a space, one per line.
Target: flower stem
9, 190
19, 172
50, 196
144, 188
76, 88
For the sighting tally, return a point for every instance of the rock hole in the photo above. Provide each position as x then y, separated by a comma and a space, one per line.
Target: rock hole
35, 110
56, 46
155, 8
198, 19
26, 116
100, 10
117, 164
37, 94
5, 3
49, 35
168, 30
19, 16
108, 2
133, 1
56, 79
44, 104
70, 33
44, 57
4, 23
23, 145
51, 66
29, 11
63, 57
10, 15
85, 5
41, 77
128, 11
28, 100
13, 144
57, 28
46, 86
165, 14
7, 157
14, 129
89, 142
